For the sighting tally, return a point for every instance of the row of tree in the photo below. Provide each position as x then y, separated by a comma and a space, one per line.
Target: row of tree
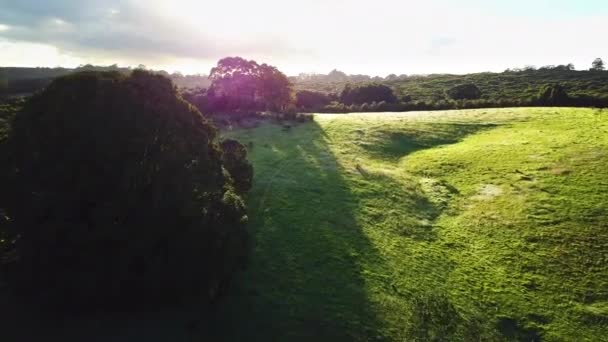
337, 76
237, 85
459, 97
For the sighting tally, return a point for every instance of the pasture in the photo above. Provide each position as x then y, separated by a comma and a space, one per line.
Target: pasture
472, 225
430, 226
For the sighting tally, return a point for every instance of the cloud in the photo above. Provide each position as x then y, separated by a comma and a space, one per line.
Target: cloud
357, 36
132, 29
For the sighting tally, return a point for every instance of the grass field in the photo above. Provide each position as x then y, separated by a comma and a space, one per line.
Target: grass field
478, 225
463, 225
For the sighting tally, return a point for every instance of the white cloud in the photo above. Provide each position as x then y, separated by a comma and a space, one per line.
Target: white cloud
358, 36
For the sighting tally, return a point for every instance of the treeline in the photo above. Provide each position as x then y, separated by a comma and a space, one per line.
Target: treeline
241, 87
375, 97
512, 87
20, 80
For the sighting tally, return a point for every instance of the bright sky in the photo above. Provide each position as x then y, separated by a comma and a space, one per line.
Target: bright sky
357, 36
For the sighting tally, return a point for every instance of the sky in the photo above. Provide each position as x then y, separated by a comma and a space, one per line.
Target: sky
377, 37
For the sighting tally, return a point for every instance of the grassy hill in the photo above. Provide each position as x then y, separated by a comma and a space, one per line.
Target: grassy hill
461, 225
468, 225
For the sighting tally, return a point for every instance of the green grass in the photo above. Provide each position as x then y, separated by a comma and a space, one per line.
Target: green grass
477, 225
460, 225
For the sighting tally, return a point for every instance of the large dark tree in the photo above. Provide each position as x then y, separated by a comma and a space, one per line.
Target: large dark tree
119, 196
274, 88
240, 84
234, 157
597, 65
233, 82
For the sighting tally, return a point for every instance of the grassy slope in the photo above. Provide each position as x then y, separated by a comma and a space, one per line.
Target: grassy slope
462, 225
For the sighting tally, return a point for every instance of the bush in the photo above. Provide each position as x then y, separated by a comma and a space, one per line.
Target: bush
119, 197
311, 99
467, 91
553, 95
368, 92
234, 157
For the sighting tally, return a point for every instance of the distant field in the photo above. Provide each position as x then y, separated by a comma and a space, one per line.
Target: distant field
476, 225
463, 225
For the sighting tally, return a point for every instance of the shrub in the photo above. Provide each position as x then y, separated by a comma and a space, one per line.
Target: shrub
234, 157
467, 91
553, 95
119, 195
368, 92
311, 99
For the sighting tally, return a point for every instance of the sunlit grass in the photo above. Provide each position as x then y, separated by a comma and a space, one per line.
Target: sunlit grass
472, 225
462, 225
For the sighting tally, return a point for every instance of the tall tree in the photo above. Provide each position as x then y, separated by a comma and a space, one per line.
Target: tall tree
234, 80
244, 84
274, 88
597, 65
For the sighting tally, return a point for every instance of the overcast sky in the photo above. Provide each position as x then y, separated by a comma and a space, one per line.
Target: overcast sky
357, 36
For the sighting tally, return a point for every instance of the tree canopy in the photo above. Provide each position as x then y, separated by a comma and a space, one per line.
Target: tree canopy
240, 84
467, 91
367, 93
311, 99
119, 194
597, 65
553, 95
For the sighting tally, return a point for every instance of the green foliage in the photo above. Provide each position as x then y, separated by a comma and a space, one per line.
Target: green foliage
117, 195
234, 157
506, 89
553, 95
366, 93
240, 84
311, 99
467, 91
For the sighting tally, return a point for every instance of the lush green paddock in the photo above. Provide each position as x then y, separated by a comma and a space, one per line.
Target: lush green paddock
459, 225
472, 225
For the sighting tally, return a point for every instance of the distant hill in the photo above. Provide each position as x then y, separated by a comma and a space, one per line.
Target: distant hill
508, 85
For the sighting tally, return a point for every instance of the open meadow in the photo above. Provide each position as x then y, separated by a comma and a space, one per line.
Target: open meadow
431, 226
473, 225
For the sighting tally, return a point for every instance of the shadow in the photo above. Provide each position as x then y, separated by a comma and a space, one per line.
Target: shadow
391, 145
417, 212
304, 281
306, 277
513, 330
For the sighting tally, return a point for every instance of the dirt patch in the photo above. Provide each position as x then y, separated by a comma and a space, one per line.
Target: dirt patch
488, 191
560, 171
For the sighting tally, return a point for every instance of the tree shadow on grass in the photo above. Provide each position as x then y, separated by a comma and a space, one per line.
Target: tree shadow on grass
392, 145
304, 281
304, 278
